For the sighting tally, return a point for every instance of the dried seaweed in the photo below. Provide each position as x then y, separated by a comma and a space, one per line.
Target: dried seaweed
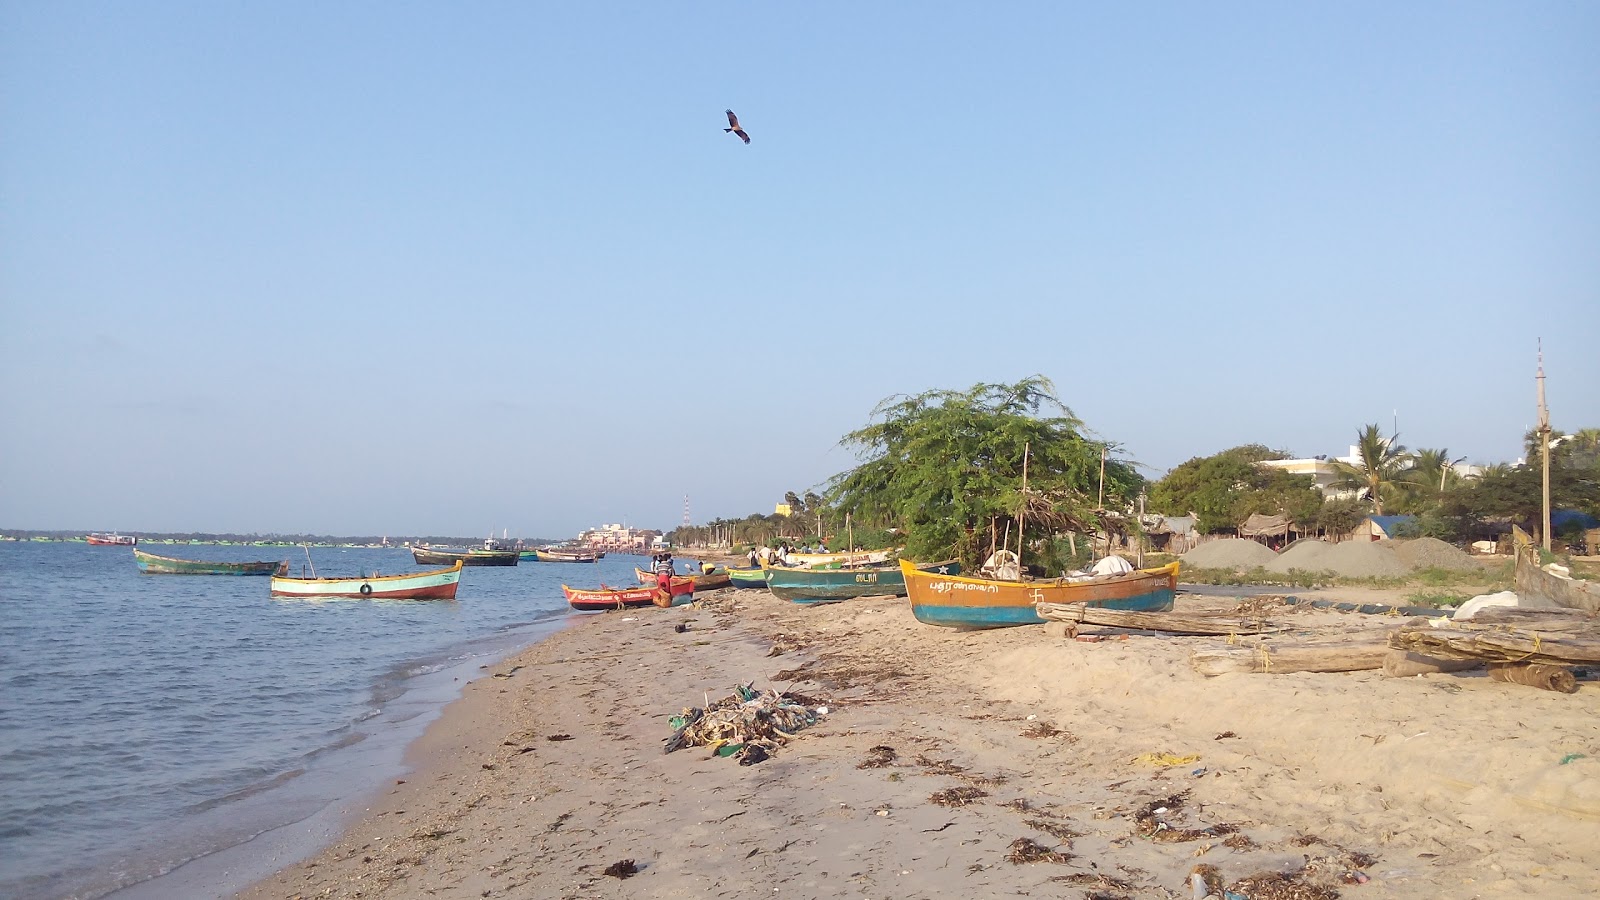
878, 757
1054, 829
1279, 886
622, 869
1041, 730
957, 796
1149, 822
1240, 842
1024, 850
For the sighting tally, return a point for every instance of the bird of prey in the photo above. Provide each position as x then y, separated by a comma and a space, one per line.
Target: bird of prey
733, 126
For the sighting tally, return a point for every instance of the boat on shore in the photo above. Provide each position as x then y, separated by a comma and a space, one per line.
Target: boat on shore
703, 581
860, 558
958, 601
811, 586
604, 598
1532, 581
475, 556
555, 554
111, 539
436, 585
151, 564
747, 577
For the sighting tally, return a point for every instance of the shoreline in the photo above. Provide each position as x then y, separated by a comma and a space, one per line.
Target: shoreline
1443, 786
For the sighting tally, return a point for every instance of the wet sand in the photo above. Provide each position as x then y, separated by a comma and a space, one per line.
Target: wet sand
1002, 762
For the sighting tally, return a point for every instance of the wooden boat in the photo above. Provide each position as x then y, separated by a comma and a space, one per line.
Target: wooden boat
864, 558
810, 586
961, 602
151, 564
1532, 581
703, 581
476, 556
550, 554
622, 598
750, 577
110, 539
437, 585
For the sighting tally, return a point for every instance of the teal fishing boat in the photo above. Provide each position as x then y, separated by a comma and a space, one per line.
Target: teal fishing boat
810, 586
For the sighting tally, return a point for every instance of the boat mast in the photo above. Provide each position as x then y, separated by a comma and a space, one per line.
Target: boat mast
1023, 512
1544, 453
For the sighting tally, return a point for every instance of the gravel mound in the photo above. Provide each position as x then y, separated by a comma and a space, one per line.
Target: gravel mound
1350, 559
1229, 553
1432, 553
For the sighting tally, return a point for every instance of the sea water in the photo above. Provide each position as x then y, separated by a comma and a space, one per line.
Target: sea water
149, 721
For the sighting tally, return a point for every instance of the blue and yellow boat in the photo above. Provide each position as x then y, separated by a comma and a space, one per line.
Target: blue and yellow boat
809, 586
961, 602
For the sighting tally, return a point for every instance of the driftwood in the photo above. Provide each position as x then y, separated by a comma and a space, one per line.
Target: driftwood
1405, 664
1536, 619
1550, 678
1170, 622
1496, 644
1350, 652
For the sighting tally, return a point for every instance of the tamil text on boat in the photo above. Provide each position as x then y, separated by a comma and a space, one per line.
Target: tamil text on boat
437, 585
604, 598
151, 564
963, 602
808, 586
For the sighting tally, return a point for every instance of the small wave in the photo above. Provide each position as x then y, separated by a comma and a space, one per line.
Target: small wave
247, 791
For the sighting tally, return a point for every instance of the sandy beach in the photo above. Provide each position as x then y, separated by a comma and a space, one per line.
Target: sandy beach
1008, 762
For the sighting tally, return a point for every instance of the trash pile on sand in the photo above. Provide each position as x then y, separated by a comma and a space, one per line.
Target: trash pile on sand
1229, 553
748, 725
1348, 559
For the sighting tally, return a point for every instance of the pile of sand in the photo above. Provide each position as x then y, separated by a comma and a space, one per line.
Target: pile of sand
1351, 559
1432, 553
1229, 553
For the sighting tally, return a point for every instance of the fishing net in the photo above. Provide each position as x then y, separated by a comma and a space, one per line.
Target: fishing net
747, 724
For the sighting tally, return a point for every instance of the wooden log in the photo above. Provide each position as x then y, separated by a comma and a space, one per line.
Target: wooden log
1350, 653
1170, 622
1500, 645
1549, 678
1535, 619
1404, 664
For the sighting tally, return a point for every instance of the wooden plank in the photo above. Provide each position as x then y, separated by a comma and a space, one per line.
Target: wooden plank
1352, 652
1464, 642
1170, 622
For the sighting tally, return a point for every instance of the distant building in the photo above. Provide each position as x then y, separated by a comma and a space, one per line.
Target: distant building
783, 509
1380, 528
617, 538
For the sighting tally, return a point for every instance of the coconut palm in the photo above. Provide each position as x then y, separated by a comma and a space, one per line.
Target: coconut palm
1382, 467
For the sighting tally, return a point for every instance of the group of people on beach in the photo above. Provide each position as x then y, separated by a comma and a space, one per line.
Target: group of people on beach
780, 555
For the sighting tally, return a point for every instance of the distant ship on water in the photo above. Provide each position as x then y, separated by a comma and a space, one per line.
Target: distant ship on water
112, 539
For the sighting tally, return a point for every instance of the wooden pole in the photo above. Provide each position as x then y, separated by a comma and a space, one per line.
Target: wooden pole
1544, 455
1101, 502
1022, 513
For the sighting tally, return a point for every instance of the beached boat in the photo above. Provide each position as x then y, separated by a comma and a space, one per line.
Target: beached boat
962, 602
151, 564
605, 598
110, 539
437, 585
861, 558
476, 556
1533, 582
748, 577
809, 586
703, 581
551, 554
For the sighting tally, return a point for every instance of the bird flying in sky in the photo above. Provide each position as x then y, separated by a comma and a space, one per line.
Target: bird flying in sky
733, 126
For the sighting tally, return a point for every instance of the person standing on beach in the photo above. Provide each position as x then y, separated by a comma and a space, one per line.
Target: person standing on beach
664, 572
755, 557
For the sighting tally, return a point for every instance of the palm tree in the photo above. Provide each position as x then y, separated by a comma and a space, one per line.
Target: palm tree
1382, 466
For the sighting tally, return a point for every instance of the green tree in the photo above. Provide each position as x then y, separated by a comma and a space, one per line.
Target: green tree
1225, 488
1382, 468
942, 465
1432, 473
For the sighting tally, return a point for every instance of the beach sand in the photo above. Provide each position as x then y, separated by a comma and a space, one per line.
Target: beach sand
1439, 786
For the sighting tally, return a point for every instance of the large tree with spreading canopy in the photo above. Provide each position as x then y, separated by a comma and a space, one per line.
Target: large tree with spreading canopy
945, 467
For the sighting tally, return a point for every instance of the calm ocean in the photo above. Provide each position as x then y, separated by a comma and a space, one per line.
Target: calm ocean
150, 720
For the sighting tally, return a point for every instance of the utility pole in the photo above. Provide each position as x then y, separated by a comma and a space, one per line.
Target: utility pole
1544, 454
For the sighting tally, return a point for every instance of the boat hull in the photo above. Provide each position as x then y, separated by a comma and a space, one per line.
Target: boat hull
427, 557
624, 598
960, 602
709, 581
438, 585
863, 558
747, 577
112, 540
566, 556
151, 564
1531, 581
812, 586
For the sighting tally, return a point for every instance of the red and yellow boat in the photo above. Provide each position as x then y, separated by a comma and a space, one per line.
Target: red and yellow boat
623, 598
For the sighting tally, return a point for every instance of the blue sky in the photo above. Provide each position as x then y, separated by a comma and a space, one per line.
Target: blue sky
447, 268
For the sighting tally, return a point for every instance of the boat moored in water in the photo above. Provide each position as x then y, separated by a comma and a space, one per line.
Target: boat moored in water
151, 564
436, 585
